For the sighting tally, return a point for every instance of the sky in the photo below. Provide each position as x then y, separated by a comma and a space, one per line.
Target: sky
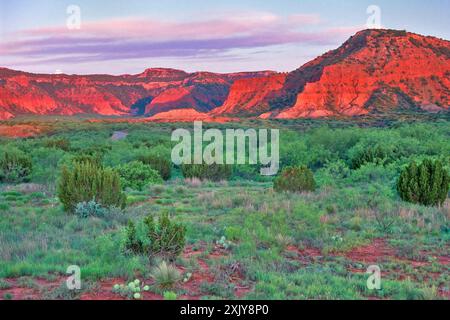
127, 37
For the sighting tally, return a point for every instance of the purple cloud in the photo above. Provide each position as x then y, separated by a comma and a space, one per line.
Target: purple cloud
139, 38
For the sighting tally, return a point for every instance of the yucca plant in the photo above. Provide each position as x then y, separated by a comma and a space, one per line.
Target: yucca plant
165, 275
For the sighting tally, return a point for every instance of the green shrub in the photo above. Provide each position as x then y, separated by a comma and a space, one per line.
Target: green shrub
60, 143
166, 238
69, 159
158, 163
87, 181
136, 175
95, 159
132, 243
162, 237
15, 165
336, 170
426, 184
213, 172
378, 155
99, 150
295, 179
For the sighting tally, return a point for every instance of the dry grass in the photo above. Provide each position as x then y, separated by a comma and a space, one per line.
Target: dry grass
431, 220
193, 182
27, 188
446, 208
20, 130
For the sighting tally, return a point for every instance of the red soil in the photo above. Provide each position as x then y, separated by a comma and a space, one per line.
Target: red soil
19, 131
187, 115
103, 288
377, 251
206, 275
305, 255
33, 292
444, 260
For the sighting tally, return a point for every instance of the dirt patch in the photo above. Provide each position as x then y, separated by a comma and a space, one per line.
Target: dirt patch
444, 260
377, 251
31, 291
19, 294
233, 272
305, 255
20, 131
444, 293
103, 291
236, 276
192, 286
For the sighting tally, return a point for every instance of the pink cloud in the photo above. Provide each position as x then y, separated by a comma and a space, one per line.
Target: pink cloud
134, 38
305, 19
163, 29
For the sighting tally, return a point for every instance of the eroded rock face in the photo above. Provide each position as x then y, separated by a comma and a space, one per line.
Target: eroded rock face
151, 92
377, 70
374, 71
252, 96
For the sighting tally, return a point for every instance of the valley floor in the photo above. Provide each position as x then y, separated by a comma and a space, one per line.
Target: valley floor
244, 241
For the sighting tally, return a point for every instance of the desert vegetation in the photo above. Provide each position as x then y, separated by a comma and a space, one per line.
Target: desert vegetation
348, 195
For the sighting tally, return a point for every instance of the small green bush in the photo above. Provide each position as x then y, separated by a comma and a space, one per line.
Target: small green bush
95, 159
295, 179
136, 175
162, 237
166, 237
426, 184
132, 243
378, 155
60, 143
87, 181
160, 164
213, 172
15, 166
